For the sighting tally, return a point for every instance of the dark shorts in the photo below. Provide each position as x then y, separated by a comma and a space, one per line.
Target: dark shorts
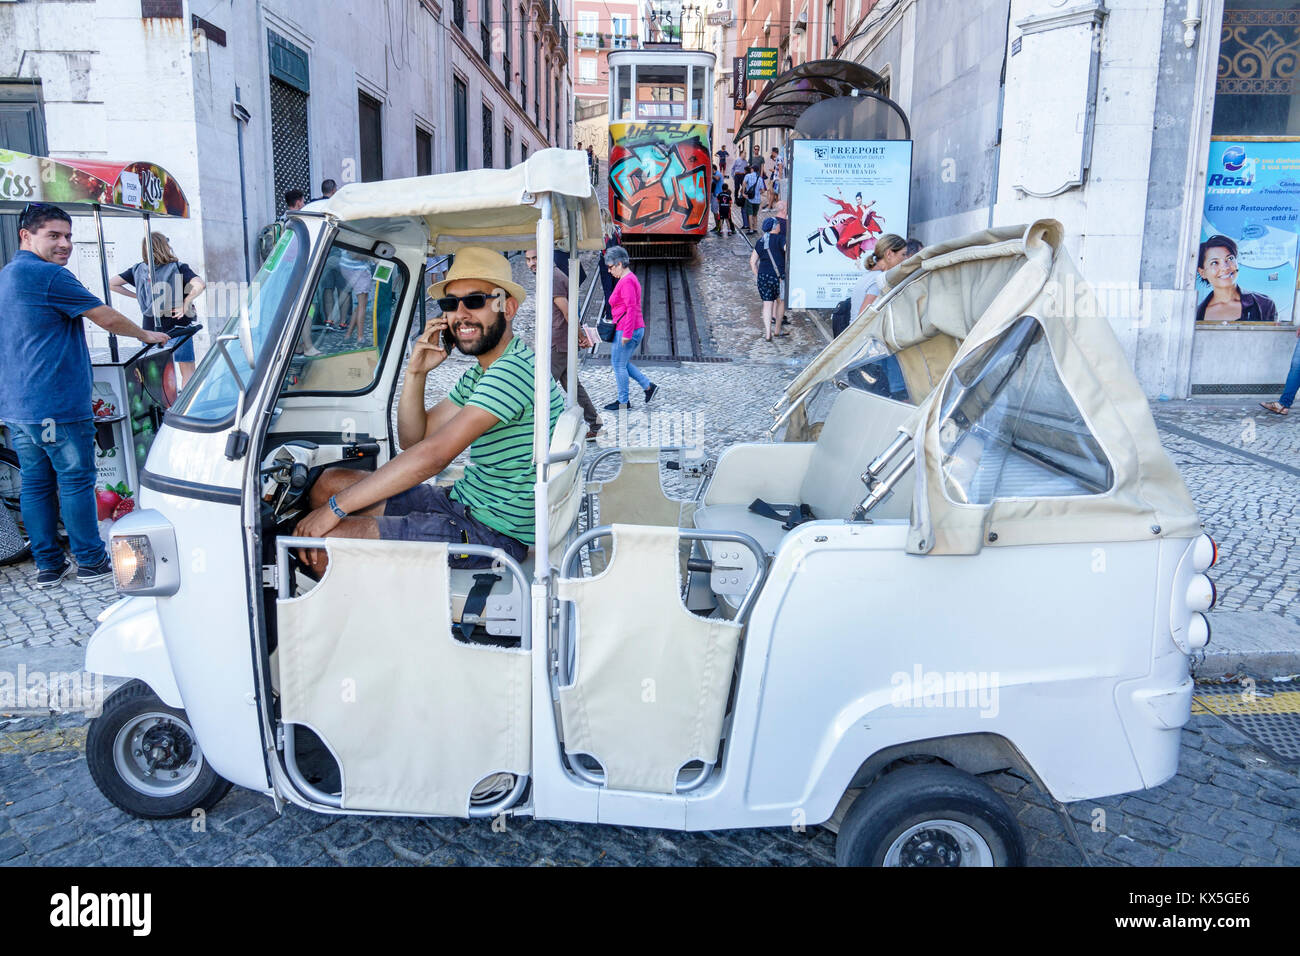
769, 287
429, 513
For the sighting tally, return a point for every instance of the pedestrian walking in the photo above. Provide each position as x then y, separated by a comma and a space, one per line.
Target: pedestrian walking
767, 262
170, 302
560, 342
738, 170
593, 167
719, 177
613, 237
356, 277
1283, 405
724, 211
751, 189
629, 327
45, 392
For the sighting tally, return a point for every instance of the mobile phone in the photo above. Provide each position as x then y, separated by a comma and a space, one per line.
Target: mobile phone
448, 340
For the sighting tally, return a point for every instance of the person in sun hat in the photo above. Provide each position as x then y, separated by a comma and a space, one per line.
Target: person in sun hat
489, 411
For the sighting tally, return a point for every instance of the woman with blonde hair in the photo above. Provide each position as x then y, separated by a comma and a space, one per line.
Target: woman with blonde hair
170, 302
889, 251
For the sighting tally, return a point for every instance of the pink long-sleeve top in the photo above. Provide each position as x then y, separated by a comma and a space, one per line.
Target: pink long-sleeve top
625, 305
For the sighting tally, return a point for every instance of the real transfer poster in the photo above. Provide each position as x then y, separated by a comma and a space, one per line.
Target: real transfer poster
843, 195
1252, 196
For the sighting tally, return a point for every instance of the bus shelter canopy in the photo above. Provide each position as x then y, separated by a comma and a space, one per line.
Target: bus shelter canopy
786, 98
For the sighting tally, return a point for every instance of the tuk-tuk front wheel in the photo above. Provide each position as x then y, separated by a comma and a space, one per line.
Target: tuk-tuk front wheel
144, 757
929, 815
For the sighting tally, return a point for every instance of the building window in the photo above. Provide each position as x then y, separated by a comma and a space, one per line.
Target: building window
1256, 92
622, 32
370, 121
523, 59
588, 25
509, 145
829, 33
458, 14
487, 136
423, 152
587, 69
523, 150
290, 149
537, 80
555, 130
460, 107
505, 42
485, 30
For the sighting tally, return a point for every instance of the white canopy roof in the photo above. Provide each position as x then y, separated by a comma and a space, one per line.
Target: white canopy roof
496, 208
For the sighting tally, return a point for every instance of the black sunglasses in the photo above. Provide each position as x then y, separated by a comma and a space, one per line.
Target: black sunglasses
475, 300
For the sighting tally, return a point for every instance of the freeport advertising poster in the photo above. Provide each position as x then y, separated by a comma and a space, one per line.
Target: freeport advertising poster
1252, 196
843, 195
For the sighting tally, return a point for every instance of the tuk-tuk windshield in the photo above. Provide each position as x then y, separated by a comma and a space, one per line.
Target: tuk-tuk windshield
212, 393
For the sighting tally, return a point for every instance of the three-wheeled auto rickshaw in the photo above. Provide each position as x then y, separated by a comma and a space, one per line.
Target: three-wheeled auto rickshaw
1004, 572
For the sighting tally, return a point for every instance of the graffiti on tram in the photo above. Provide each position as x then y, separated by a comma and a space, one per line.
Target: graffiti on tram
658, 176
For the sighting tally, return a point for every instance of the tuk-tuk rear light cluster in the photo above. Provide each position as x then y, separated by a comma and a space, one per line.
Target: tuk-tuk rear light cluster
1205, 553
133, 562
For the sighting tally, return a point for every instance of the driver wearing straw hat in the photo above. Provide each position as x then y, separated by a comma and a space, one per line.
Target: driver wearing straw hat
489, 411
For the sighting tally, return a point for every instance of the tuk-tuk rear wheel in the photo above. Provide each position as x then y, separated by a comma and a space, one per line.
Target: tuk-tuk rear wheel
929, 815
144, 757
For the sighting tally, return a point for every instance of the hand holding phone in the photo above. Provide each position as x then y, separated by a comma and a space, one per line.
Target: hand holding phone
431, 348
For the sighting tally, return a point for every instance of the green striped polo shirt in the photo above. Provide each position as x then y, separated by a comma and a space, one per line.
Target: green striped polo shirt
498, 482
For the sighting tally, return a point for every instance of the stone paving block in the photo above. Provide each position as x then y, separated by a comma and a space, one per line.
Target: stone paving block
11, 848
78, 854
45, 797
212, 851
1207, 852
55, 815
1235, 781
1213, 795
345, 834
145, 854
1252, 844
248, 822
1147, 810
52, 838
1150, 833
449, 855
1131, 852
1235, 819
247, 858
417, 841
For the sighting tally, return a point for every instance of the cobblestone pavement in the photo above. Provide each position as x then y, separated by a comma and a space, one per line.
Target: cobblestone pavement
1229, 804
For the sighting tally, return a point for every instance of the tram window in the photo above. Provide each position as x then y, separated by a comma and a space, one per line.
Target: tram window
661, 92
624, 96
699, 93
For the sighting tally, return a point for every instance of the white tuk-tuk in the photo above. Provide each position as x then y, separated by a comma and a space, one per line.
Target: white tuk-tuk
893, 600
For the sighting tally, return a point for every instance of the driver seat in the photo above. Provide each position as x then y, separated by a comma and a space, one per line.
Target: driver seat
497, 604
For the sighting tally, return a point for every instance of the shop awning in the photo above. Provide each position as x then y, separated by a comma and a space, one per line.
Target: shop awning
79, 185
787, 97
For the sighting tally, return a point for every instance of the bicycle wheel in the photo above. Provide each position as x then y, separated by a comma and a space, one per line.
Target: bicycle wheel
14, 546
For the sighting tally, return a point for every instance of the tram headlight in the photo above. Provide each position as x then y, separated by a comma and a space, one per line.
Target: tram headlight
143, 548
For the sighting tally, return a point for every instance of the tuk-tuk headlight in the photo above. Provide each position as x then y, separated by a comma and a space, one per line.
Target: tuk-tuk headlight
133, 562
143, 548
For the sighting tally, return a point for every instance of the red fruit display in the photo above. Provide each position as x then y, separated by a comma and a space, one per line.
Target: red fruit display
105, 501
124, 507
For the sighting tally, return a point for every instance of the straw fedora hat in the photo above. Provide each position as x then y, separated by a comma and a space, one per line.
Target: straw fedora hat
476, 262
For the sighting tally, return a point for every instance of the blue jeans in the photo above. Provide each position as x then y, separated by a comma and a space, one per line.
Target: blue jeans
59, 477
1292, 380
620, 356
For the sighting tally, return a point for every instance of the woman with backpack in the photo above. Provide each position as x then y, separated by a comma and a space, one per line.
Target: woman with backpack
767, 262
171, 301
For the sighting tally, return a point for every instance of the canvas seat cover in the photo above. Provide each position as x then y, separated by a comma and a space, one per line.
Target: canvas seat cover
652, 678
367, 661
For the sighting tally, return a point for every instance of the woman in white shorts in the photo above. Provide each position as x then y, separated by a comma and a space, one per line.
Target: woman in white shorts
357, 279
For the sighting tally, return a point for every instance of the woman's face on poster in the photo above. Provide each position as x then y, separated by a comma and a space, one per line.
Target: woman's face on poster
1220, 269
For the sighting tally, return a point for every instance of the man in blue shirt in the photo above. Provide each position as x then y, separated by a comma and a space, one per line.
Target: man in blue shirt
45, 385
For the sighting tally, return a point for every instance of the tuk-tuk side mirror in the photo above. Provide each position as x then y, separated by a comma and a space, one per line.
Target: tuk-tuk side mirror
237, 443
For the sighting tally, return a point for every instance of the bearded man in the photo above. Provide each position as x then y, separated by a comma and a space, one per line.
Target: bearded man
489, 411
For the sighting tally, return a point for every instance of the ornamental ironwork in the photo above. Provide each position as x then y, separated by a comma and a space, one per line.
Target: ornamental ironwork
1259, 52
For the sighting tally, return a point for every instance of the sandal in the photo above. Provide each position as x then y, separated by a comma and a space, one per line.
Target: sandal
1275, 407
767, 331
